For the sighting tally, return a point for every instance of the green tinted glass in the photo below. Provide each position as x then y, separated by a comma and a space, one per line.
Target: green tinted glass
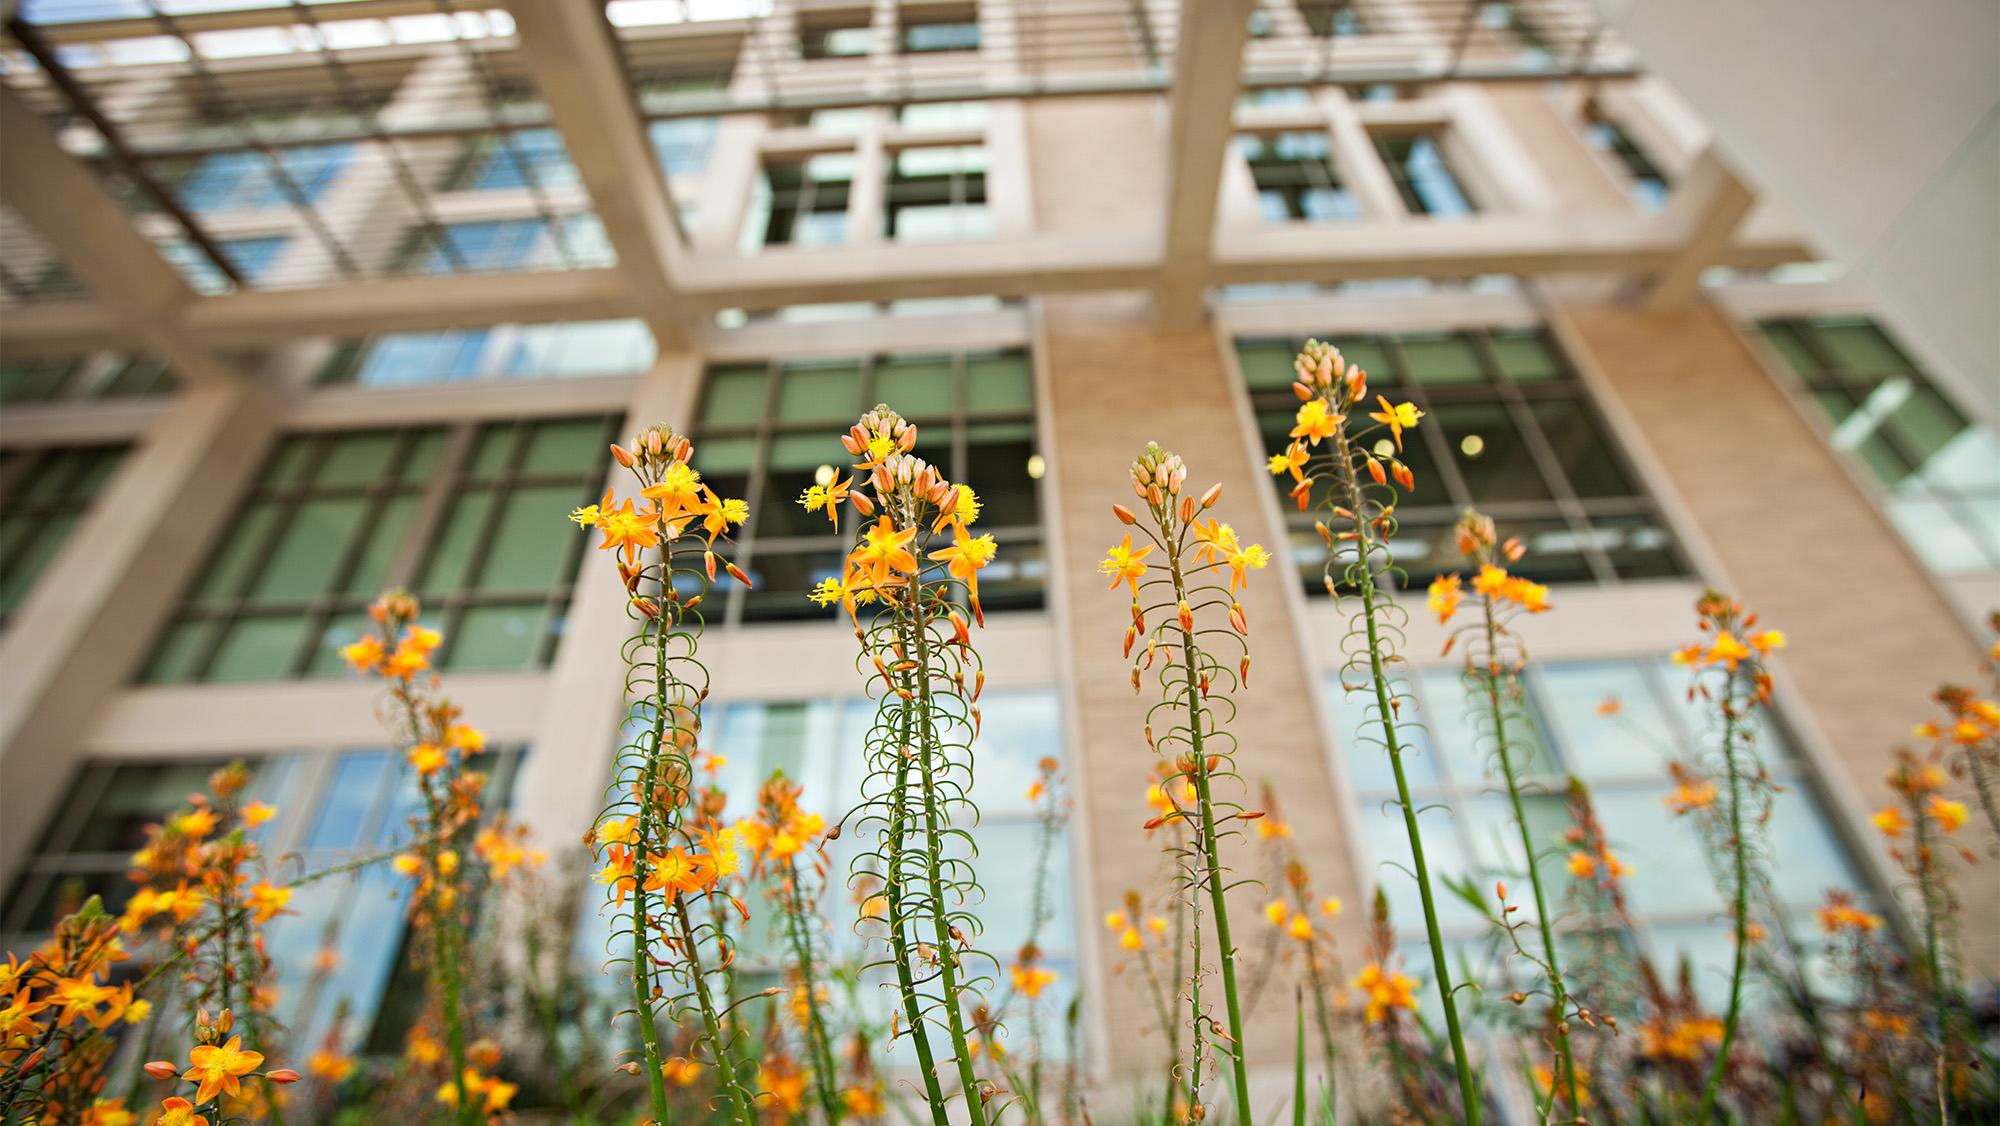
723, 456
1267, 367
383, 540
257, 649
532, 541
454, 544
1449, 361
288, 461
490, 453
98, 467
24, 565
496, 638
229, 569
808, 451
916, 386
999, 383
1785, 341
564, 447
424, 454
735, 395
1861, 349
342, 631
817, 393
1367, 353
357, 459
309, 549
173, 662
1526, 357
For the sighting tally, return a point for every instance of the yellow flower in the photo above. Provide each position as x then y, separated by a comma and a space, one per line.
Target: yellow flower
1582, 865
1726, 651
1271, 828
1445, 596
678, 490
364, 654
220, 1069
1840, 914
267, 900
1240, 562
408, 864
1314, 422
963, 559
1690, 795
1123, 564
1031, 980
179, 1112
1397, 417
1156, 924
1949, 814
885, 553
1385, 992
1275, 911
256, 813
1330, 907
862, 1102
1114, 920
1130, 939
1301, 928
1890, 821
427, 758
330, 1066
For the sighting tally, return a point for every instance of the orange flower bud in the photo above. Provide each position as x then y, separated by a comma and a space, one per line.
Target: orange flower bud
736, 573
1124, 514
1375, 471
862, 504
1187, 509
1208, 498
1187, 617
1243, 671
283, 1075
624, 458
1302, 391
163, 1069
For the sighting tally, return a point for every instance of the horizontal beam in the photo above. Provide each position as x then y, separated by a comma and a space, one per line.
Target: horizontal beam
1043, 263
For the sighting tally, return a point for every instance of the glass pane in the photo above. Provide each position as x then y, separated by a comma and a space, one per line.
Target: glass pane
1449, 361
1786, 342
1363, 751
454, 543
564, 447
342, 631
1459, 719
1016, 579
228, 570
1638, 547
808, 451
918, 387
383, 541
173, 662
424, 455
717, 457
288, 462
999, 383
1806, 859
1490, 453
779, 582
357, 459
1632, 741
1367, 353
1526, 357
1861, 349
1266, 367
532, 543
257, 649
496, 638
350, 796
828, 393
98, 467
23, 567
1555, 550
997, 469
310, 548
1391, 866
1669, 870
1932, 531
490, 453
1925, 424
1581, 449
735, 395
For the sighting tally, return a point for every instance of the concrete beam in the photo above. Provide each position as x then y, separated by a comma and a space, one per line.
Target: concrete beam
1208, 71
411, 304
1707, 208
576, 65
70, 208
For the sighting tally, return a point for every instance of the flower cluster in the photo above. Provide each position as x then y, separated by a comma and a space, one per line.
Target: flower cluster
1840, 914
907, 490
1920, 783
215, 1067
1386, 992
660, 460
1328, 386
1477, 541
57, 1014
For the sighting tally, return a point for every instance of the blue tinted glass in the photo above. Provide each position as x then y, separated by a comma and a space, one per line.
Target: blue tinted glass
531, 155
1434, 182
423, 357
683, 143
343, 816
497, 244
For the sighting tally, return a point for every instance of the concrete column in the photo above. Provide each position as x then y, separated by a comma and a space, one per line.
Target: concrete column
1357, 162
1870, 637
99, 605
1116, 383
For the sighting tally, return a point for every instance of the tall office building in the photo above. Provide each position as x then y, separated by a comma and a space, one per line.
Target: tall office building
304, 300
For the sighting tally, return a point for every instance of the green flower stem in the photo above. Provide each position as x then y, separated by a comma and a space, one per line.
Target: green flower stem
1933, 960
899, 940
934, 863
1320, 1016
1559, 996
1468, 1090
817, 1045
1211, 856
745, 1113
1740, 907
642, 956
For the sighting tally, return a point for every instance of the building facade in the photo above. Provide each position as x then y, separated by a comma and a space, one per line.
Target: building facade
302, 302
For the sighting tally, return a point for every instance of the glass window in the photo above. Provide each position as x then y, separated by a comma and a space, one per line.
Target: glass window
251, 180
43, 494
251, 257
1422, 177
1939, 470
938, 195
975, 412
929, 28
802, 203
1508, 429
359, 802
471, 517
1622, 757
682, 143
500, 245
523, 158
584, 348
1649, 186
1295, 178
820, 744
1326, 18
836, 34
